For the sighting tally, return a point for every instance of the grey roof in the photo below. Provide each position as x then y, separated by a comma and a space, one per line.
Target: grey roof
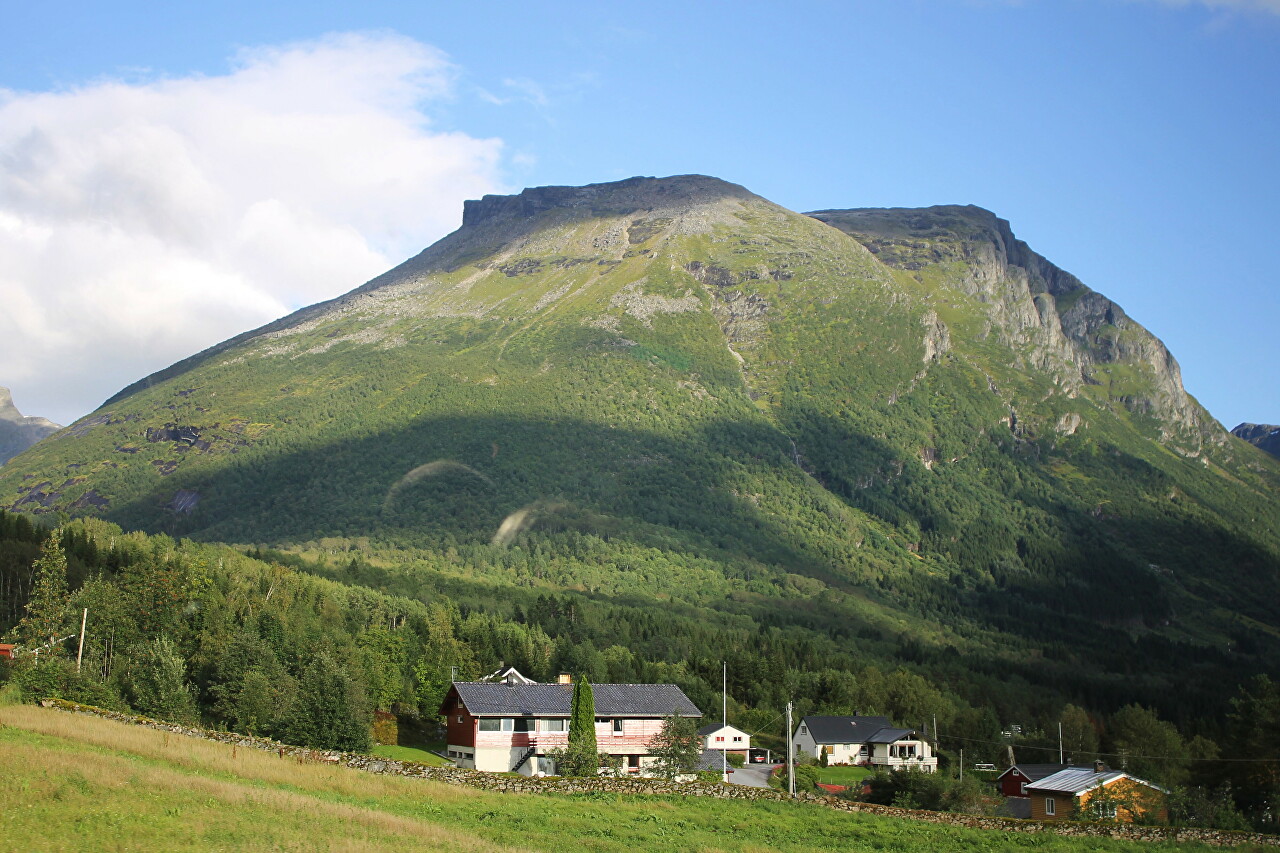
889, 735
552, 700
1035, 772
1074, 780
711, 760
852, 729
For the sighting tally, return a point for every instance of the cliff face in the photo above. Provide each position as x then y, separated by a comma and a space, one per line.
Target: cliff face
1050, 319
17, 432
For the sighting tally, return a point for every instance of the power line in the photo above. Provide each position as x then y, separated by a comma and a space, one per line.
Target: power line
1108, 754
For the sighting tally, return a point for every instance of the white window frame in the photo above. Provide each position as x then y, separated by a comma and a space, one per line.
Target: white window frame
1050, 806
618, 727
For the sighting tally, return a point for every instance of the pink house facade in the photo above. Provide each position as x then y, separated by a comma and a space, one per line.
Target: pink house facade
512, 726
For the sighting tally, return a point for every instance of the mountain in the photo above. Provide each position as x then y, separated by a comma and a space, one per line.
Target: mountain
17, 433
887, 434
1264, 436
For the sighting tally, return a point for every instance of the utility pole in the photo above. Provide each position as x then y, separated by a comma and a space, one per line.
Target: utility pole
962, 764
724, 712
1060, 759
80, 653
791, 756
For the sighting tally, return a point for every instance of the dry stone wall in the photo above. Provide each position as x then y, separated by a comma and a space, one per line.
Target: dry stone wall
658, 787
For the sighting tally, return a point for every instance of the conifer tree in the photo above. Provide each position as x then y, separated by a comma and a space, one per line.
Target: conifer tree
48, 607
580, 758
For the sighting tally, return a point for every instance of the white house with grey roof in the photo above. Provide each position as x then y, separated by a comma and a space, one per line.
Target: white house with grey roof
513, 723
870, 741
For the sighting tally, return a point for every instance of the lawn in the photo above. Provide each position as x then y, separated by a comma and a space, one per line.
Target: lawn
77, 782
409, 753
842, 774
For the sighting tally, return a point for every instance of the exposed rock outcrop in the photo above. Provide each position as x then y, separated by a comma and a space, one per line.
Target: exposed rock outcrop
1048, 315
17, 432
1263, 436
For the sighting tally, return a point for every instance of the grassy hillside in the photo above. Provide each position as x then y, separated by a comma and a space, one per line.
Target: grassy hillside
79, 782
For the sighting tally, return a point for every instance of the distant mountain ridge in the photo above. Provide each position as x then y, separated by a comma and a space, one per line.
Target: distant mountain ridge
18, 432
892, 426
1264, 436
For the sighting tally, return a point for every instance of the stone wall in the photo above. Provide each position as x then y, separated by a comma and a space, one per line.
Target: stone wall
524, 785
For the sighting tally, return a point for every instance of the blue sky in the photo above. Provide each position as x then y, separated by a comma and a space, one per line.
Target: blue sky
156, 159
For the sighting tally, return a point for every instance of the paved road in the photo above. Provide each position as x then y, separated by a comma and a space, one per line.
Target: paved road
751, 775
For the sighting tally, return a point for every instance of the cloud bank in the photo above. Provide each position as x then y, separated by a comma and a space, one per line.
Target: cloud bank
142, 222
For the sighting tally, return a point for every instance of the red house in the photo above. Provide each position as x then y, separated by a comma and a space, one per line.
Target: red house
513, 725
6, 651
1013, 782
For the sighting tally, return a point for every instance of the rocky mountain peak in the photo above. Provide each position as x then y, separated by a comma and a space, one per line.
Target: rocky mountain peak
613, 198
1059, 324
1263, 436
18, 432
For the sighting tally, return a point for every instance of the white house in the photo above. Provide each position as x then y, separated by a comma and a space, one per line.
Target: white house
870, 741
726, 738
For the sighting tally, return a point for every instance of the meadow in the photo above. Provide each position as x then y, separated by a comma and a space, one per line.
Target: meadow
78, 783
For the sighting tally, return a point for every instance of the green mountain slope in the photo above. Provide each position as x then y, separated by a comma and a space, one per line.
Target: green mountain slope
900, 426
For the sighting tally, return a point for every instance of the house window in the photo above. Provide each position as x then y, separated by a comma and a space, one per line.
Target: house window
719, 740
1022, 789
1050, 807
803, 730
556, 725
617, 727
460, 720
827, 749
1103, 809
523, 724
737, 740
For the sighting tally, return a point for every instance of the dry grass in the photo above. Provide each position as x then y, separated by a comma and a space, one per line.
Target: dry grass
143, 789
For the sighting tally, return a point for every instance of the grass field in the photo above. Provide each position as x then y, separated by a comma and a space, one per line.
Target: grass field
842, 775
409, 753
82, 783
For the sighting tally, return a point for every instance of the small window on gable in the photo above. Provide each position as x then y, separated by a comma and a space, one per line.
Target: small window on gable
719, 740
737, 740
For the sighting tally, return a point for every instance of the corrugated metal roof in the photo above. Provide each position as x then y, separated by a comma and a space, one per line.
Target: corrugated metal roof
552, 700
1074, 780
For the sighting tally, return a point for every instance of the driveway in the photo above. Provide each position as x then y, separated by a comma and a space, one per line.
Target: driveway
751, 775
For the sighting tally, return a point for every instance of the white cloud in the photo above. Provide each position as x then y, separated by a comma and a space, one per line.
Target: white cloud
142, 222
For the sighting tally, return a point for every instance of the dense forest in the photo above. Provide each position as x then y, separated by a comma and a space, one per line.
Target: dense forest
273, 644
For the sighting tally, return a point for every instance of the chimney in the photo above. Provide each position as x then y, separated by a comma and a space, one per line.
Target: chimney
565, 678
1099, 766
